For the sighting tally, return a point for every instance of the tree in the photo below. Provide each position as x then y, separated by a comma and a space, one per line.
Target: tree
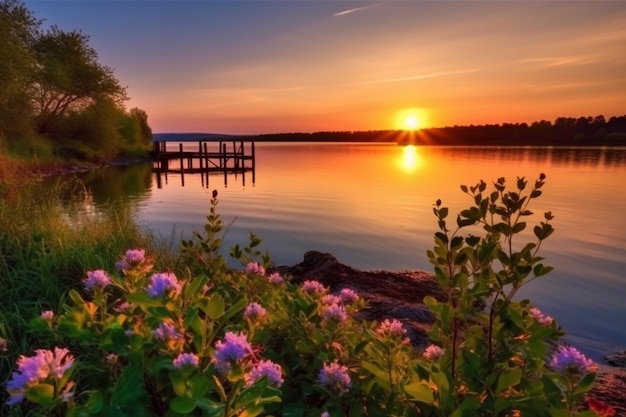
18, 31
69, 77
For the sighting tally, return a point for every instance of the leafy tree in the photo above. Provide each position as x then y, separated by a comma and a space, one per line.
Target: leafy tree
18, 31
69, 77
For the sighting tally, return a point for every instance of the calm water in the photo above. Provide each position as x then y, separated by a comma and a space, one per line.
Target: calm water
371, 206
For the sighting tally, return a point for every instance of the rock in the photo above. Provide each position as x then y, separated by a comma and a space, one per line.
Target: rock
400, 295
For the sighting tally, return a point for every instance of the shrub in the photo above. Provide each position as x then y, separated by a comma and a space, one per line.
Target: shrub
213, 341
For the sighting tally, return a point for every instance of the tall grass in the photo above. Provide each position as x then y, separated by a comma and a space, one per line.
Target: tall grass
46, 245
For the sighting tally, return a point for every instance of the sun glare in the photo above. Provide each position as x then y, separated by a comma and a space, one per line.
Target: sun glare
410, 158
410, 119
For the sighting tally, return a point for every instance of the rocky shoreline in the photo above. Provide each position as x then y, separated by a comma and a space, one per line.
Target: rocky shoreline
399, 295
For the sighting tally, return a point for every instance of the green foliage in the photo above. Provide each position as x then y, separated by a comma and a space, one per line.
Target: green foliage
210, 340
53, 85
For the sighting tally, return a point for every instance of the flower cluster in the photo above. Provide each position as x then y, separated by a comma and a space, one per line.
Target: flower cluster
348, 296
166, 331
96, 280
335, 377
334, 312
186, 359
540, 317
254, 312
234, 348
134, 259
275, 278
255, 268
391, 328
32, 370
568, 360
163, 283
432, 352
313, 287
266, 368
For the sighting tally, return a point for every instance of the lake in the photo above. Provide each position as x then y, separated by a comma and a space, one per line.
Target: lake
370, 205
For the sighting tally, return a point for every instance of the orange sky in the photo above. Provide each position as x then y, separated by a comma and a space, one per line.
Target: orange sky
248, 67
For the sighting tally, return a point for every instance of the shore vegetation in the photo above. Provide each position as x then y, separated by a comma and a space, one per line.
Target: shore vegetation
96, 320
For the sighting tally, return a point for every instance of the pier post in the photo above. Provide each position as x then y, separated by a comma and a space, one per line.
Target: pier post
182, 164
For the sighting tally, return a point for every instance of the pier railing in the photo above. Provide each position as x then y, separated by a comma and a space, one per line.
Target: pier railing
205, 157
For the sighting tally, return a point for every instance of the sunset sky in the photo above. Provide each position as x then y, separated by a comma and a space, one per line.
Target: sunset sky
248, 67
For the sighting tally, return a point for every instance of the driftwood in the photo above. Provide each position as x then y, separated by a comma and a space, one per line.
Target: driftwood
399, 295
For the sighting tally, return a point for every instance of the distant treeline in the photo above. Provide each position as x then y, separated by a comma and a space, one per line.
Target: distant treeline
565, 131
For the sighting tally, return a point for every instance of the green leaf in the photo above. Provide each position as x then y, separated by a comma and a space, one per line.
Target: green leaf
420, 391
182, 405
508, 379
75, 296
199, 386
129, 386
382, 377
142, 299
178, 384
214, 307
585, 383
94, 404
41, 394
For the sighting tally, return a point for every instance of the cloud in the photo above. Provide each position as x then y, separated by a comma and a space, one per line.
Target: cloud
356, 9
435, 74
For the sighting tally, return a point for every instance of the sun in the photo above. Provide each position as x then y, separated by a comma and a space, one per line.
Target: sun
411, 122
410, 119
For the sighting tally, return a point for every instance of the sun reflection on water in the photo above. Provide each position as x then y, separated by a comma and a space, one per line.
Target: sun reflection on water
410, 158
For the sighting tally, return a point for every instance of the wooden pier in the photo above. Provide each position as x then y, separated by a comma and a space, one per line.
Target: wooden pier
205, 157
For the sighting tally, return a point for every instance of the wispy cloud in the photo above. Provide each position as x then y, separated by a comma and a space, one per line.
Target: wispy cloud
356, 9
557, 61
427, 75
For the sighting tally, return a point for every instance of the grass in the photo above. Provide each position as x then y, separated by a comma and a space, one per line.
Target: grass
46, 246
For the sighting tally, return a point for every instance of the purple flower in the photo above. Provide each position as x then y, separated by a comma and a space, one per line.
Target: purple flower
255, 268
123, 307
275, 278
335, 377
166, 331
540, 317
335, 312
391, 328
313, 287
161, 284
266, 368
325, 414
134, 259
568, 360
96, 280
432, 352
254, 312
34, 369
234, 348
186, 359
348, 296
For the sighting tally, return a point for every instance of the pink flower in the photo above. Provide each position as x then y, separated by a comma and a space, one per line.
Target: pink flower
254, 312
330, 299
275, 278
432, 352
255, 268
96, 280
32, 370
186, 359
540, 317
47, 315
391, 328
313, 287
335, 312
348, 296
